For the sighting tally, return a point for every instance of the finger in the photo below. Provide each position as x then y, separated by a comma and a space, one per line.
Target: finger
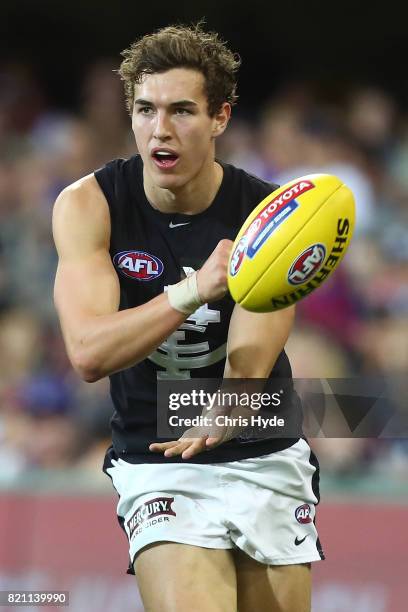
176, 450
159, 447
210, 442
196, 447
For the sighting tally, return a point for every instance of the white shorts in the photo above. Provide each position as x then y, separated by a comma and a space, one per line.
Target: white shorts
262, 505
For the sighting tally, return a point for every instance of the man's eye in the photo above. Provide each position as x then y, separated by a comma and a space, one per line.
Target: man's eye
182, 111
145, 110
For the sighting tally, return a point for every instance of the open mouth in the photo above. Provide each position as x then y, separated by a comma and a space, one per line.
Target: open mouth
165, 159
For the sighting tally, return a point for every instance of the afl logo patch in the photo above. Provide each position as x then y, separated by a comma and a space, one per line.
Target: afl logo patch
238, 256
302, 514
307, 264
138, 265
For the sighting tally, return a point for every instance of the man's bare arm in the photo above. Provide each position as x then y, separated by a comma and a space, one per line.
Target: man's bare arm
255, 341
99, 339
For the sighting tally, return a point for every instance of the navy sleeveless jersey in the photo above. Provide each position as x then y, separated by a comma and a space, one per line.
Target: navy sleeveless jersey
150, 250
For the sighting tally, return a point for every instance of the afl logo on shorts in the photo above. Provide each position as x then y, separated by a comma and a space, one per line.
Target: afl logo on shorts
307, 264
238, 256
302, 514
138, 265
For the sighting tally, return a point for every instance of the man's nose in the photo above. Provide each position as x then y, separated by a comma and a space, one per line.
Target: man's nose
162, 128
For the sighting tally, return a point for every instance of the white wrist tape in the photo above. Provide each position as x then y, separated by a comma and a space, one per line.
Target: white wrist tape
184, 296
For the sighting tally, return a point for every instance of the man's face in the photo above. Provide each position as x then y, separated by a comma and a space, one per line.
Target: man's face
174, 133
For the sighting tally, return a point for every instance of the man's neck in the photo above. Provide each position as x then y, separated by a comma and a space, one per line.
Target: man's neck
192, 198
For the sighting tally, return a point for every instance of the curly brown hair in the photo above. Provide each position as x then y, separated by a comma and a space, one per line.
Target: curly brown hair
179, 46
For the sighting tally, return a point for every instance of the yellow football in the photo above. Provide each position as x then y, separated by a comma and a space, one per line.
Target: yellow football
291, 243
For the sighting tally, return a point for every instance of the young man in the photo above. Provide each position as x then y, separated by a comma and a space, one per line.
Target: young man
220, 529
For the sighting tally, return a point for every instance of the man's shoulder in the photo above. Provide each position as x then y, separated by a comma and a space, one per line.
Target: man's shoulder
80, 217
120, 176
120, 164
82, 190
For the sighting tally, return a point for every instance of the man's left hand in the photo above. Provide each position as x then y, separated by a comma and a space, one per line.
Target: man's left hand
196, 440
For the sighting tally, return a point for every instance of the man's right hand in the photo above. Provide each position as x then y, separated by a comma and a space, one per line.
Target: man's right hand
212, 277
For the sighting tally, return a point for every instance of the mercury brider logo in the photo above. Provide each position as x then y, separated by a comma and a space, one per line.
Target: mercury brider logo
150, 513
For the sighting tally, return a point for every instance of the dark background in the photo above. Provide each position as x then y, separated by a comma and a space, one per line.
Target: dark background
332, 45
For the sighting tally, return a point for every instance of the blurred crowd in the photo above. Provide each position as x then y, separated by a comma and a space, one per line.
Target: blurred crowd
354, 325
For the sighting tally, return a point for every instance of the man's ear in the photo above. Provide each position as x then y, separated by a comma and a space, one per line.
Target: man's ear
221, 118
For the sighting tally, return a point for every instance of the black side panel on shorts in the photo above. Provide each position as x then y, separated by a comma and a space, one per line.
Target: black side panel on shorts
316, 490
